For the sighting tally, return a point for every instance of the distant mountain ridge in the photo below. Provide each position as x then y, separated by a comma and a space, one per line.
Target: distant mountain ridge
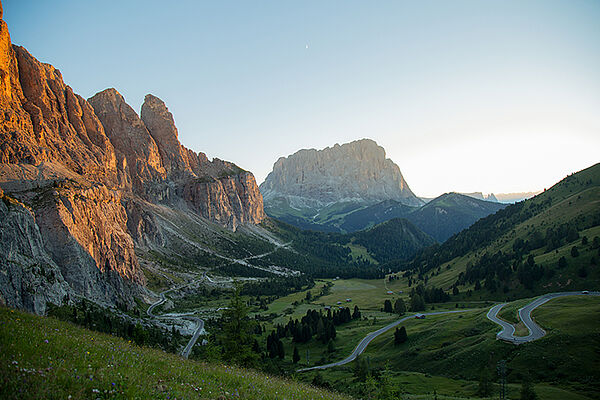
450, 213
547, 243
353, 187
481, 196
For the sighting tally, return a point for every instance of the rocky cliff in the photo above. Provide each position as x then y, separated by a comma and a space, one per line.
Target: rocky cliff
356, 171
64, 231
316, 189
80, 181
160, 170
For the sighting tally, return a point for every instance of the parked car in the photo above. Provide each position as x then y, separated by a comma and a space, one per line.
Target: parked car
420, 316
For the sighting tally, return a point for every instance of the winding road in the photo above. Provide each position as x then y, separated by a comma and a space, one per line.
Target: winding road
535, 331
362, 345
507, 332
185, 353
199, 322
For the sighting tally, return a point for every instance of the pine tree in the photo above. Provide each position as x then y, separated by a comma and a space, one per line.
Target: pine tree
387, 306
399, 307
280, 349
237, 330
295, 356
574, 252
400, 335
330, 346
562, 262
485, 385
417, 303
356, 313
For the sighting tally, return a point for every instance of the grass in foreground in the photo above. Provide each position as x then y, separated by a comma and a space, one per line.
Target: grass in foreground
46, 358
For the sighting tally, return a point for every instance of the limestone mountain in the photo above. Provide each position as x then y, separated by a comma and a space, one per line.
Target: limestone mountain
481, 196
319, 186
157, 168
87, 184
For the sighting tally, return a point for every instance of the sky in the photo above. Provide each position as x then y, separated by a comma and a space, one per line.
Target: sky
490, 96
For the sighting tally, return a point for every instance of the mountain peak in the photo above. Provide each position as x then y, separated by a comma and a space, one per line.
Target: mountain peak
357, 171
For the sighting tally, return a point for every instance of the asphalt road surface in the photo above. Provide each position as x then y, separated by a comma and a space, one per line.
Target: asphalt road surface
362, 345
199, 328
535, 331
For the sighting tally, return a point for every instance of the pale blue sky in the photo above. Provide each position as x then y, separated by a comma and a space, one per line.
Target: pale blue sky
486, 96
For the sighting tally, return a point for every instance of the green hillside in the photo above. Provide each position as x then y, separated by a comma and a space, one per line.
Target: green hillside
356, 254
440, 218
453, 351
46, 358
396, 238
375, 214
548, 243
450, 213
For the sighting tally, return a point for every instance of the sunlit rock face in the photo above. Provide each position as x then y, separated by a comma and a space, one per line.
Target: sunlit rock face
356, 171
80, 182
159, 169
64, 230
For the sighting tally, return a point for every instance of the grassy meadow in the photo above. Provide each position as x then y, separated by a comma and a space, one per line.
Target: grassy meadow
49, 359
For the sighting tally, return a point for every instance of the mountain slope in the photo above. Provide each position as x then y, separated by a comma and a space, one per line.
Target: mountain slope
46, 358
393, 239
518, 250
450, 213
87, 184
375, 214
330, 254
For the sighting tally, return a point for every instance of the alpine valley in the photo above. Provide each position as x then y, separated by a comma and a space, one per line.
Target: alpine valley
134, 267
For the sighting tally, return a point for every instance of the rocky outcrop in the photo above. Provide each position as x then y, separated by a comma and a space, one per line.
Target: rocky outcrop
29, 277
86, 181
137, 153
88, 226
176, 176
356, 171
46, 121
64, 229
161, 125
230, 200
